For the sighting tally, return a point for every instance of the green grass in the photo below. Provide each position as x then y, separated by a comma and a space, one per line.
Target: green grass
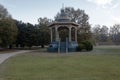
103, 63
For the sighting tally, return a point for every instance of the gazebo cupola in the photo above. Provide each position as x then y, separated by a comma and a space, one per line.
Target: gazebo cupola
63, 17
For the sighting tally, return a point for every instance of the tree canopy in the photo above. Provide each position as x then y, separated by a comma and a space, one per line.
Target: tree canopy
44, 31
8, 29
33, 35
104, 35
4, 13
80, 17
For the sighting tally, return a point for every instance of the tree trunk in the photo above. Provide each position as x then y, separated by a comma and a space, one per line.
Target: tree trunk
42, 46
10, 46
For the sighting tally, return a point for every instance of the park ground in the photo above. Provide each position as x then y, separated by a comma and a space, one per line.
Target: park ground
103, 63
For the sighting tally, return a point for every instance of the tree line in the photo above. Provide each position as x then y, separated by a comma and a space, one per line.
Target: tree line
33, 35
19, 34
8, 30
103, 35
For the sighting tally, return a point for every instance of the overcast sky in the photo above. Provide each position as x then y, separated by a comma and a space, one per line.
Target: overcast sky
103, 12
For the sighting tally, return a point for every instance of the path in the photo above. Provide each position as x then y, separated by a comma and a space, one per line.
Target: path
5, 56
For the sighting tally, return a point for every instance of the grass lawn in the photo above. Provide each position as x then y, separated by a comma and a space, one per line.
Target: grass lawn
103, 63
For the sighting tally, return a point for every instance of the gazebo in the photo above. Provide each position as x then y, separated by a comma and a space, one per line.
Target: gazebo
63, 34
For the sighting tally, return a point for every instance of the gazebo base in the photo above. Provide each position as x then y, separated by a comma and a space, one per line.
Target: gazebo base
63, 47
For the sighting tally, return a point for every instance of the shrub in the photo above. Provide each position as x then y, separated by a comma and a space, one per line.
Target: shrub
85, 45
88, 45
80, 47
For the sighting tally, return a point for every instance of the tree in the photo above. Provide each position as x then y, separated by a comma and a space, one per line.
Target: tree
96, 34
104, 34
30, 35
8, 32
27, 34
21, 37
4, 13
44, 32
115, 33
80, 17
100, 34
8, 29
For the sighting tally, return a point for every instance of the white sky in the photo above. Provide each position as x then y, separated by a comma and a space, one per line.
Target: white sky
103, 12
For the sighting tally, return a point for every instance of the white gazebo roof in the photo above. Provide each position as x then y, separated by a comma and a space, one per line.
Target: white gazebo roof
63, 19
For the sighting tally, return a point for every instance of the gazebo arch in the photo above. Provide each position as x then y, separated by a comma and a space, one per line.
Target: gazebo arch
63, 33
